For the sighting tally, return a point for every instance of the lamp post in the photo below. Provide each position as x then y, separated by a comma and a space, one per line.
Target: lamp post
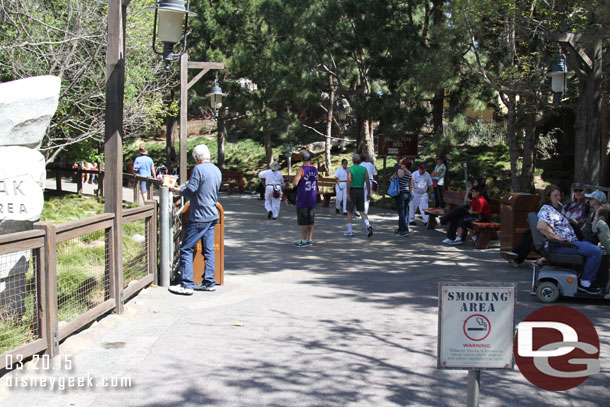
170, 25
216, 96
559, 75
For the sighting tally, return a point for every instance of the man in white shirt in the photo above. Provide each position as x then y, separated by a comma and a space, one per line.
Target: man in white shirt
371, 172
273, 182
341, 187
421, 182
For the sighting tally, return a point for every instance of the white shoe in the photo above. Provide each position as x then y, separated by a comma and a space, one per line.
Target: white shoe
179, 289
348, 234
447, 240
458, 240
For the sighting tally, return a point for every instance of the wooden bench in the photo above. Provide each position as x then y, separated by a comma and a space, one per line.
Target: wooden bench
326, 189
233, 179
484, 231
452, 199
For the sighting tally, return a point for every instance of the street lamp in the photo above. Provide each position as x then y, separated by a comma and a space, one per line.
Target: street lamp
216, 97
172, 25
559, 75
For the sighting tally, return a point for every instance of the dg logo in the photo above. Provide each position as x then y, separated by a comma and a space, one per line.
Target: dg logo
556, 348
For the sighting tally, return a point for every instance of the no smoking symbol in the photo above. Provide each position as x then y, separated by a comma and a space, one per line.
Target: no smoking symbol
477, 327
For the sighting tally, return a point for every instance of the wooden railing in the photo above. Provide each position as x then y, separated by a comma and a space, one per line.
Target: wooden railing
76, 174
44, 290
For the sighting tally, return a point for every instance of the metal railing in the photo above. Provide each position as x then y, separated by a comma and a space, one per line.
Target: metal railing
56, 279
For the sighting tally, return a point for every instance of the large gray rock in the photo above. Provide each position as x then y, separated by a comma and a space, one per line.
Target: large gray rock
26, 108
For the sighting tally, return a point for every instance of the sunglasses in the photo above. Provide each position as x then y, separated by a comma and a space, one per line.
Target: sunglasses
578, 190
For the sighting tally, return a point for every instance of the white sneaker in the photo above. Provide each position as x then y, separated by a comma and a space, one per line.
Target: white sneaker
447, 241
348, 234
474, 239
179, 289
458, 240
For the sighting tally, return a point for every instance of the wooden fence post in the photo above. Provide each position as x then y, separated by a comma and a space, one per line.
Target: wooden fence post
151, 228
49, 297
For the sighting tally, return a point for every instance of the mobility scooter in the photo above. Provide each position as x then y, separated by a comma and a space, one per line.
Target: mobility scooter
559, 277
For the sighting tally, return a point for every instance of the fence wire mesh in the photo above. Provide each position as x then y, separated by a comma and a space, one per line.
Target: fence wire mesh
19, 298
82, 278
136, 235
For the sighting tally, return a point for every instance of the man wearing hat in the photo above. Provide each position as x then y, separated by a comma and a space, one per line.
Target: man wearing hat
143, 166
273, 189
357, 182
421, 182
596, 199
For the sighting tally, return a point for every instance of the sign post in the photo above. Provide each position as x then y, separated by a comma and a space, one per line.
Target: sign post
475, 329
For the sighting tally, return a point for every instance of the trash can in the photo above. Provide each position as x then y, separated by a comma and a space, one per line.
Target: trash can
219, 252
513, 218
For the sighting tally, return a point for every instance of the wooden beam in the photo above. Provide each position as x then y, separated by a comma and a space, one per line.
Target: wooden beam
206, 65
183, 115
572, 40
113, 140
196, 78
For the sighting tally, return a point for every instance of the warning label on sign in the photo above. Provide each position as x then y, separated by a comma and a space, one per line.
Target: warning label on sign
476, 325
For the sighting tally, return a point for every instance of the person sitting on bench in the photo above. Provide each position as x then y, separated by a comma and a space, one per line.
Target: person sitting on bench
479, 211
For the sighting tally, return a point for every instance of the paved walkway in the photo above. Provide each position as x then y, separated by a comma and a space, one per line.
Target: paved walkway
347, 322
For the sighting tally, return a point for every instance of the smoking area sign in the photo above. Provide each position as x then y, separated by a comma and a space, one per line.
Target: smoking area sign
476, 325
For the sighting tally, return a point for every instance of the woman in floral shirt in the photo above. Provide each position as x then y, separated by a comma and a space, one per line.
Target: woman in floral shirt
555, 226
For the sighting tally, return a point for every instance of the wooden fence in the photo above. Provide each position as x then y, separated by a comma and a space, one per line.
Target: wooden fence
33, 300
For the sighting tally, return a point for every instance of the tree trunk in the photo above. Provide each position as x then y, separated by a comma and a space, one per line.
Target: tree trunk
527, 171
511, 138
368, 145
266, 136
222, 131
170, 128
329, 126
437, 112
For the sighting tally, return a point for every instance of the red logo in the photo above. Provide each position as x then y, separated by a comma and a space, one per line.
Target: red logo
556, 348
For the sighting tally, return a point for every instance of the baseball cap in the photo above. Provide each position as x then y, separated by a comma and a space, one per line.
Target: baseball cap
306, 156
598, 195
578, 185
356, 157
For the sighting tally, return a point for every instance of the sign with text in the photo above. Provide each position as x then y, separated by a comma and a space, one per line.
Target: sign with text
397, 145
476, 325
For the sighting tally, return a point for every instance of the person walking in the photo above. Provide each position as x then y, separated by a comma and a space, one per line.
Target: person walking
273, 189
143, 166
306, 182
341, 187
202, 190
371, 173
421, 182
357, 181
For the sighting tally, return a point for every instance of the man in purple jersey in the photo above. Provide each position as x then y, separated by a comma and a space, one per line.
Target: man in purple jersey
306, 182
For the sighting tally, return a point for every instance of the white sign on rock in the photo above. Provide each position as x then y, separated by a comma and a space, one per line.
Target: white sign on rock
22, 178
476, 325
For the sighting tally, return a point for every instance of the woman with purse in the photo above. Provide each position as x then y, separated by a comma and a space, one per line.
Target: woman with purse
273, 189
404, 194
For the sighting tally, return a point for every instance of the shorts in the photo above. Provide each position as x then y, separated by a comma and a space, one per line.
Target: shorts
356, 196
305, 216
143, 186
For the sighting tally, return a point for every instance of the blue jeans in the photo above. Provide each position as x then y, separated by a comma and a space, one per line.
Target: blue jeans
402, 207
196, 231
592, 254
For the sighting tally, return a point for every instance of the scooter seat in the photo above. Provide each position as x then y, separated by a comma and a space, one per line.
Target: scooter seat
559, 258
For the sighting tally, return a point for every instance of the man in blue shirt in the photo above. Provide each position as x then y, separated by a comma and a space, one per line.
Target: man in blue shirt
144, 166
202, 190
